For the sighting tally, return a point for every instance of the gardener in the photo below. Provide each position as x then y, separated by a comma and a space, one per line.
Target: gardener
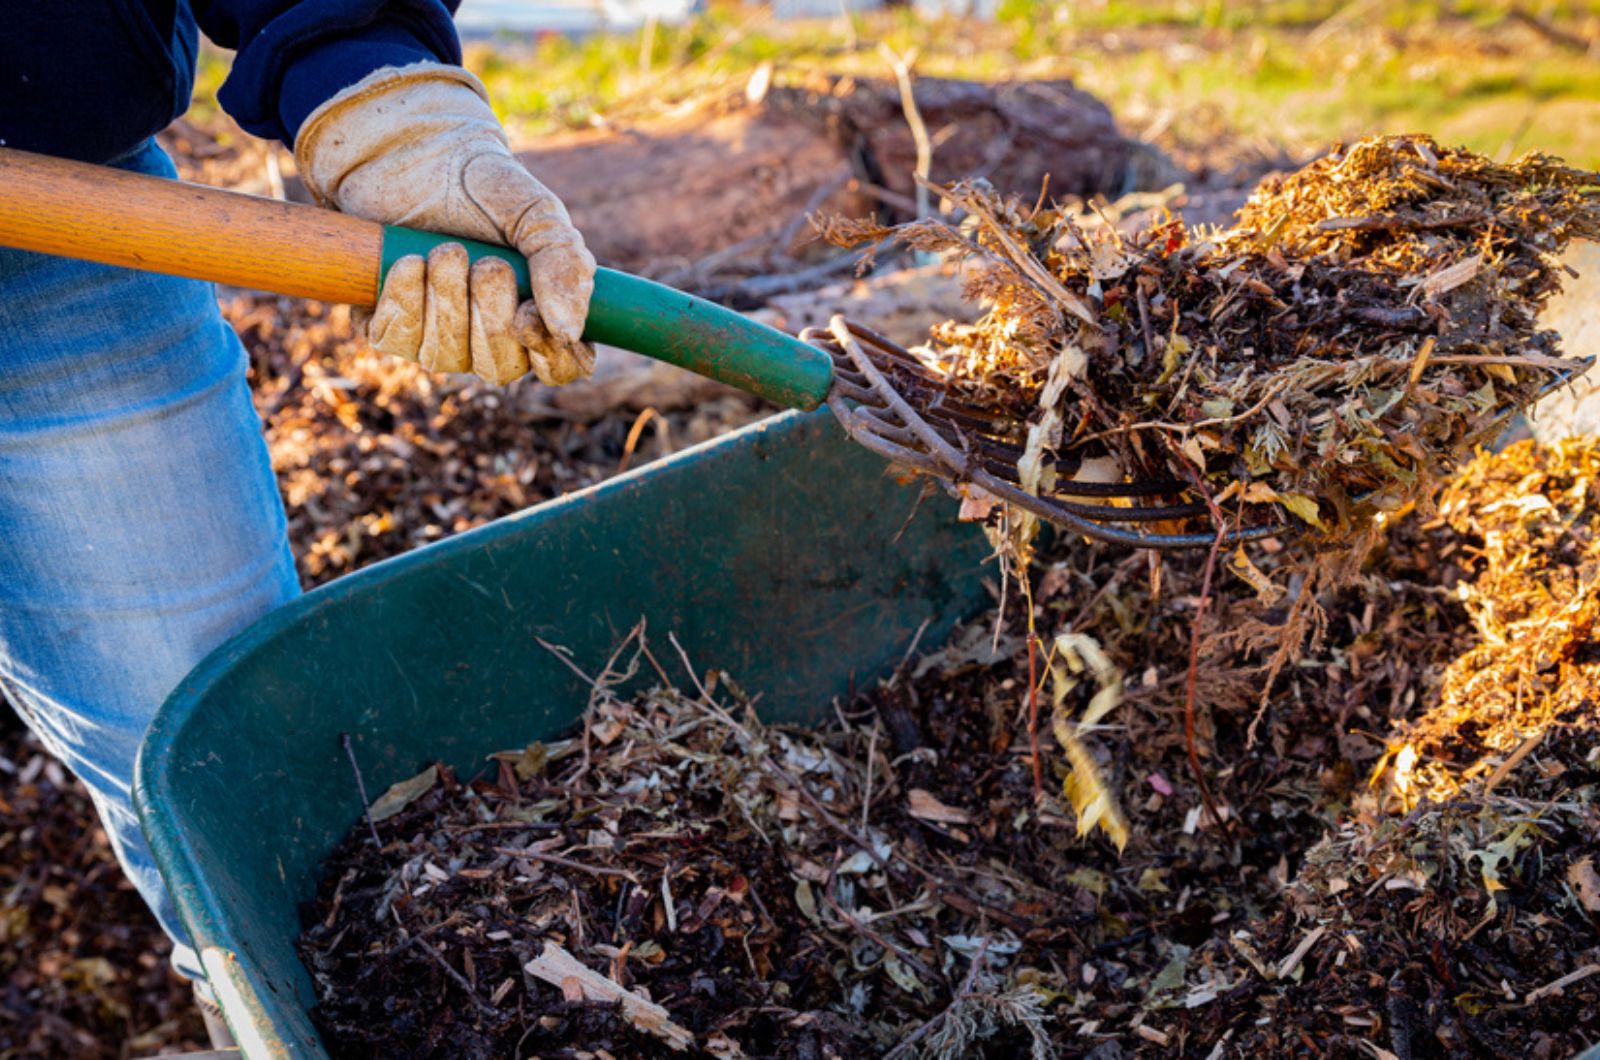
140, 523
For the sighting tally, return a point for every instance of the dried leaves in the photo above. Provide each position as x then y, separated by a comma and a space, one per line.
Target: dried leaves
376, 457
1368, 320
84, 970
889, 884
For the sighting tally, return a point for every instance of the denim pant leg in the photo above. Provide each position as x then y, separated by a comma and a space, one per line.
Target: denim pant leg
140, 522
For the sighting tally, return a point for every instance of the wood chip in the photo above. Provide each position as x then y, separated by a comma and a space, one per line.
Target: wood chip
1291, 962
578, 983
1560, 984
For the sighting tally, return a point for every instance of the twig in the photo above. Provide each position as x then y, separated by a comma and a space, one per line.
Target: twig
1144, 319
905, 660
361, 786
637, 430
1192, 678
942, 890
878, 940
562, 653
824, 191
557, 859
1504, 769
1561, 984
438, 958
901, 65
1551, 32
760, 288
696, 272
1033, 709
1127, 564
1292, 961
1273, 391
866, 796
1023, 260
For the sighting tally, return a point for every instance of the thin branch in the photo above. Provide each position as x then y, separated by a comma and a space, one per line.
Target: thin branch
361, 786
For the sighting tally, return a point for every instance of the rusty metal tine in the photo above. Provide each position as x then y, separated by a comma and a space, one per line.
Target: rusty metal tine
944, 441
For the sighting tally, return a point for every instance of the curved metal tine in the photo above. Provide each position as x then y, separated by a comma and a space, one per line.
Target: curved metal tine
981, 442
1084, 519
906, 438
1109, 514
1002, 455
916, 459
874, 426
1580, 365
1050, 512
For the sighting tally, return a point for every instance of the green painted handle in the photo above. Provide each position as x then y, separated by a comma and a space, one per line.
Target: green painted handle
649, 318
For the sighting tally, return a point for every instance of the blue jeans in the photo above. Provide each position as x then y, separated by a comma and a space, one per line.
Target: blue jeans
140, 523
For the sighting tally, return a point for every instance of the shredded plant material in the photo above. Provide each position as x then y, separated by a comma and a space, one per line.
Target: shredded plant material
1367, 321
891, 884
84, 970
1533, 514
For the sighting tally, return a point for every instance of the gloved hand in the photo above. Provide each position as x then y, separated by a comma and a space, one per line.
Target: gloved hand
418, 146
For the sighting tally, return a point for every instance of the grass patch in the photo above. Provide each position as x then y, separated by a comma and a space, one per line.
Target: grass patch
1297, 72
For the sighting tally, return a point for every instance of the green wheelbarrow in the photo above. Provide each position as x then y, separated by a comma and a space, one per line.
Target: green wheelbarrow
782, 554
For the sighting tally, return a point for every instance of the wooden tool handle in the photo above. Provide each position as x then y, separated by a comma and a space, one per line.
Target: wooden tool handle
142, 222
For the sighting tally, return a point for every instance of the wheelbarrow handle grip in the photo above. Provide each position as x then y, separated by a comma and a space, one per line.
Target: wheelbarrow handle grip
78, 210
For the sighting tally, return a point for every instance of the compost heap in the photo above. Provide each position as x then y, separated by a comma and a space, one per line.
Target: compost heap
1368, 320
1406, 864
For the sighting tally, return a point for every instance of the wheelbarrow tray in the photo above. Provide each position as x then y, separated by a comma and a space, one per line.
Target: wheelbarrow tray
782, 554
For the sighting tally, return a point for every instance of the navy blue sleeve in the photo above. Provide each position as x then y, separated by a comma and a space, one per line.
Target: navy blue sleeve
292, 55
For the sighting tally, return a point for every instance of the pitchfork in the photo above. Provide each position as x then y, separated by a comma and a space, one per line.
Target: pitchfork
118, 218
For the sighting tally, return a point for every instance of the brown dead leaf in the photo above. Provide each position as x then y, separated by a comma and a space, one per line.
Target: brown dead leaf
924, 805
1585, 883
403, 794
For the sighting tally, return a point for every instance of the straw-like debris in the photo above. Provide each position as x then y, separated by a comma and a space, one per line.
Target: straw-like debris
892, 884
1532, 515
1368, 320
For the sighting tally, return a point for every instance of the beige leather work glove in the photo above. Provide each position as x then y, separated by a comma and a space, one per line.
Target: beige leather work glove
418, 146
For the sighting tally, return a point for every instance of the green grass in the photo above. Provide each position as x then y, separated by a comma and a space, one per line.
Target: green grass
1298, 72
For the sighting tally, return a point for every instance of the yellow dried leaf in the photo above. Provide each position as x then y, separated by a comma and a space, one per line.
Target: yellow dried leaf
1304, 507
1258, 493
1191, 449
1092, 802
1177, 348
1074, 653
1267, 591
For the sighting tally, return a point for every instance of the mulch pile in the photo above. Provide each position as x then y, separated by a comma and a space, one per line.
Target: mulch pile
83, 967
1366, 322
932, 874
376, 457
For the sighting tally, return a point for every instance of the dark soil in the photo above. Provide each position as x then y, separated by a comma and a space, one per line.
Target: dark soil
83, 966
1350, 907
